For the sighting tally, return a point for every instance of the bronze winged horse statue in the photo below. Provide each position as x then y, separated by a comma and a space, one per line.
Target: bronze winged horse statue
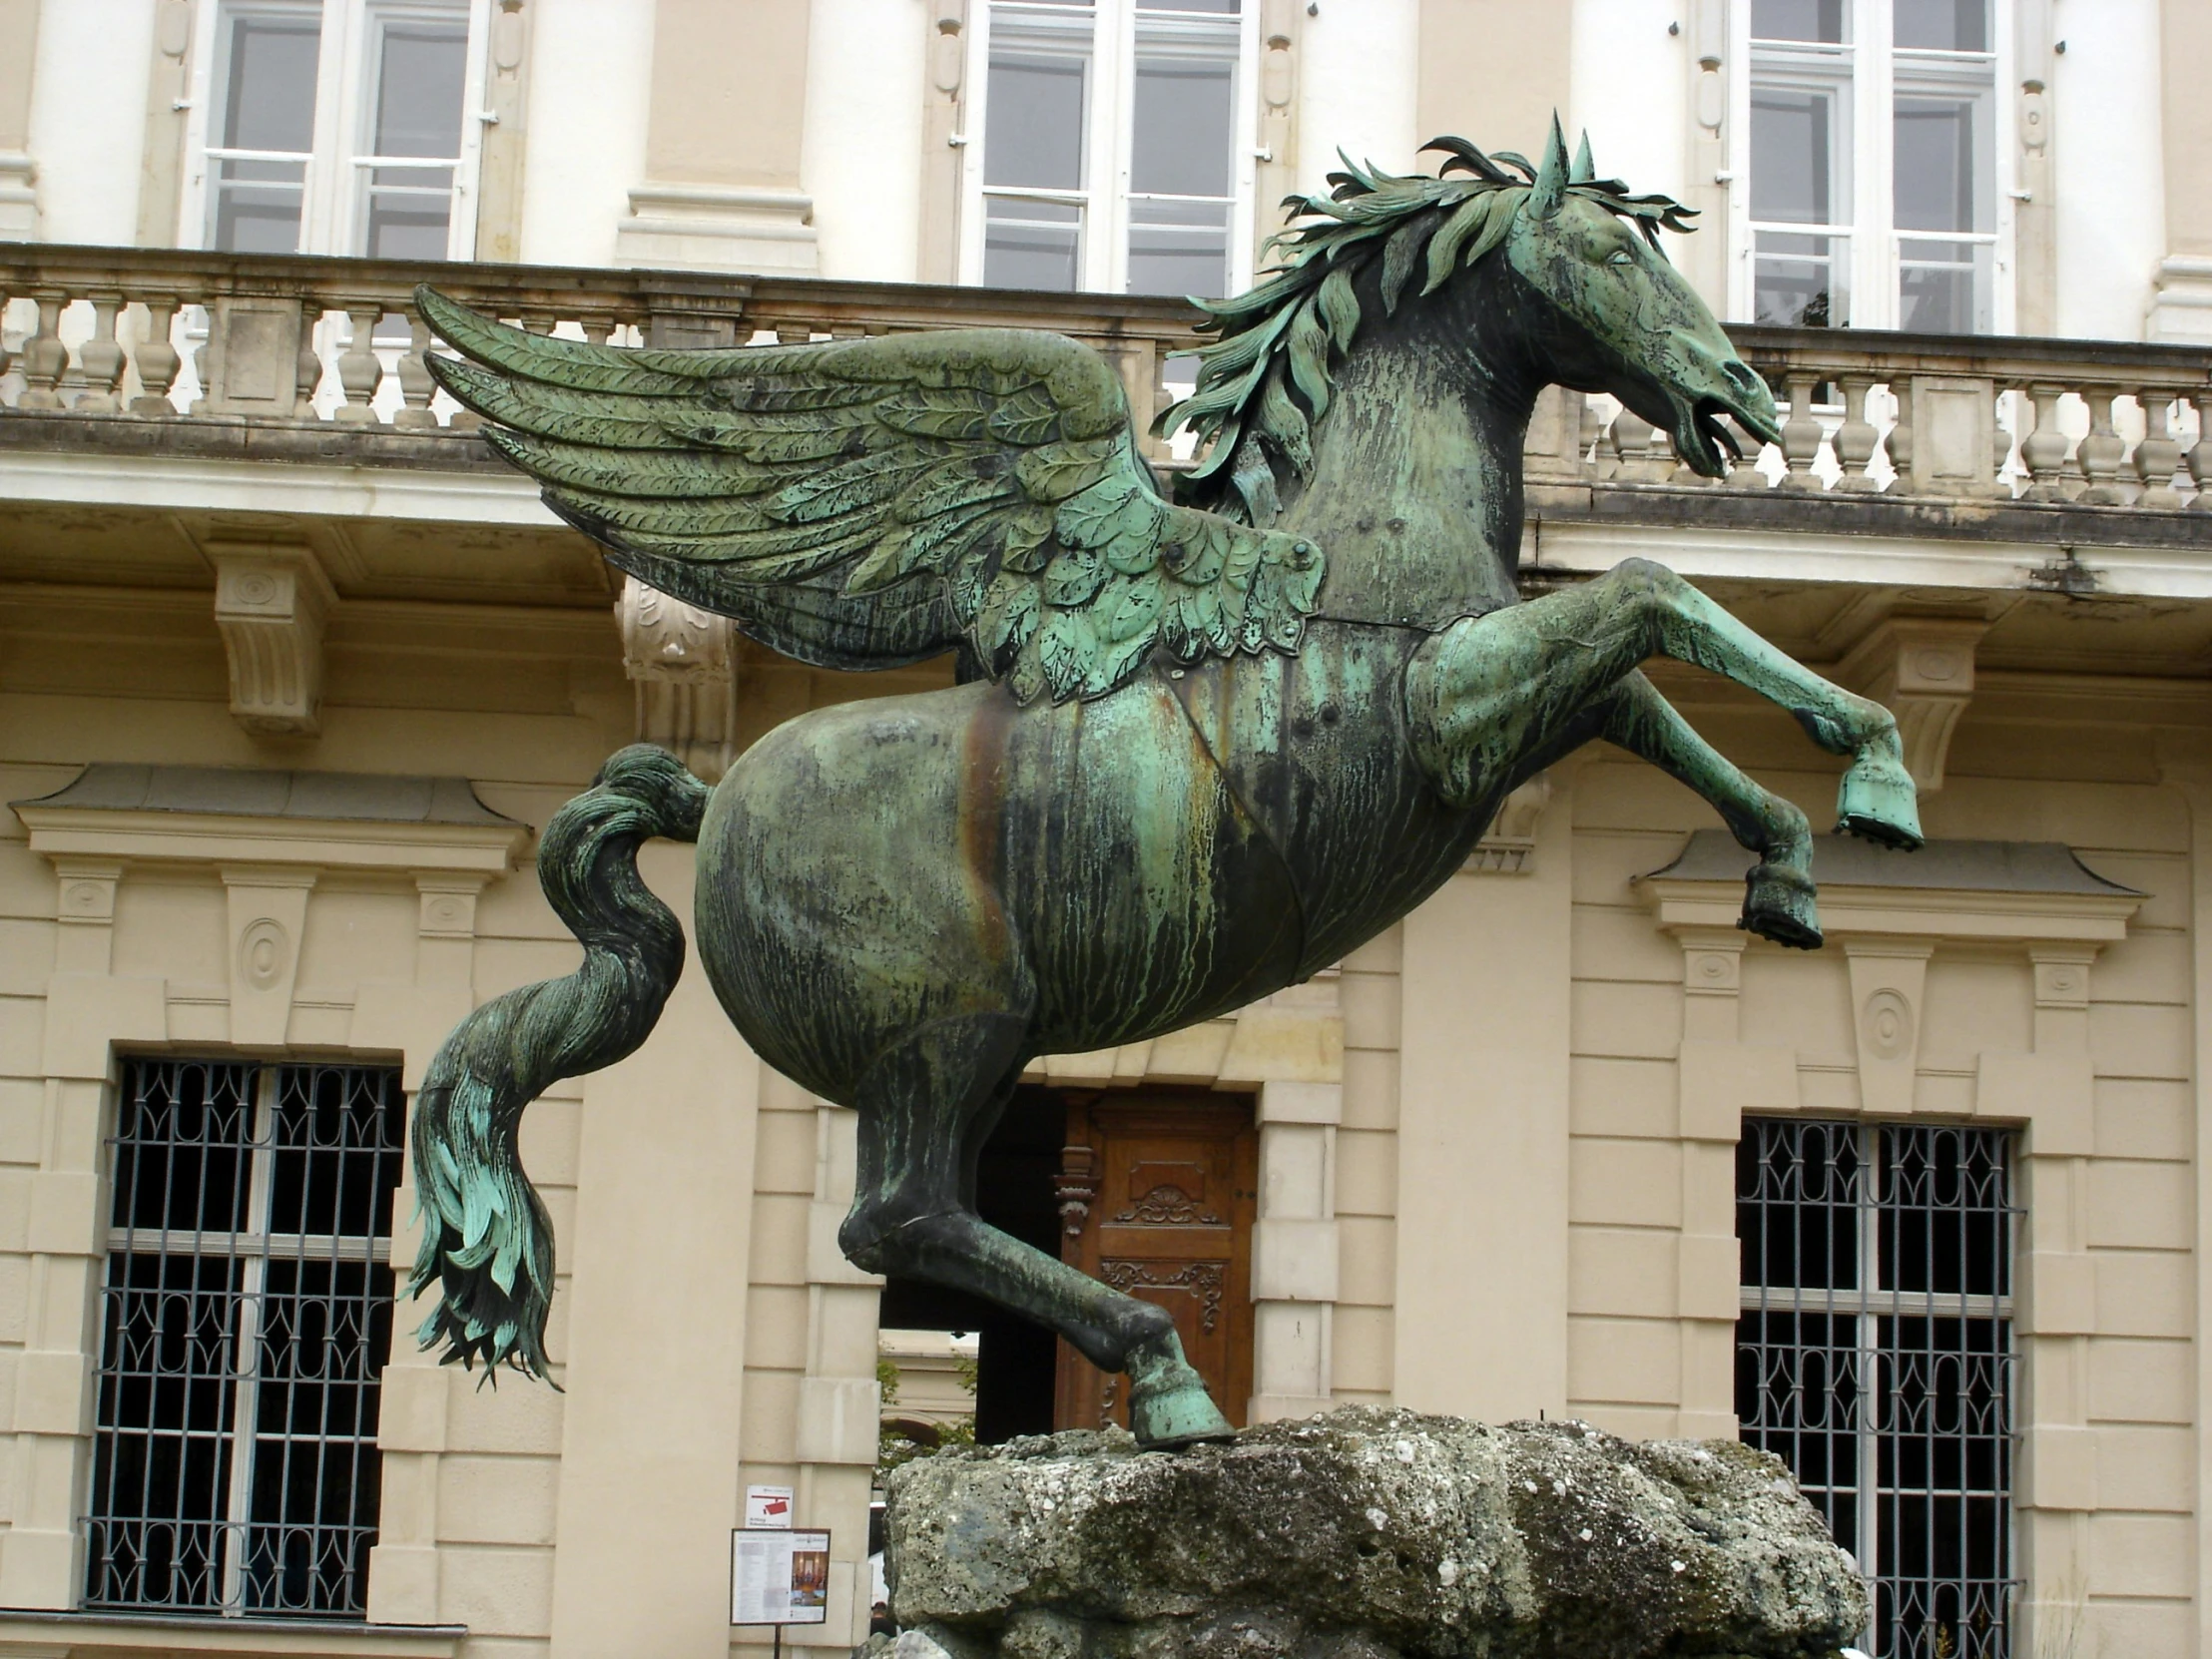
1201, 746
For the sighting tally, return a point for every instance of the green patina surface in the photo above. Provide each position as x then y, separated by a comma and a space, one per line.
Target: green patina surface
1202, 747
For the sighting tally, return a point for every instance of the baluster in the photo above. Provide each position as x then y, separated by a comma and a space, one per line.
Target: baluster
358, 371
307, 367
416, 385
1588, 431
2199, 456
2101, 452
2000, 441
1856, 439
1631, 437
1901, 440
156, 359
100, 360
2158, 455
1801, 436
1684, 475
6, 356
2043, 450
791, 332
597, 329
44, 359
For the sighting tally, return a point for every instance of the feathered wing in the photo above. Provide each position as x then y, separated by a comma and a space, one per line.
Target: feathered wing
864, 503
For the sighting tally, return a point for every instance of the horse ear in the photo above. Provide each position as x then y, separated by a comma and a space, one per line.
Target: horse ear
1549, 191
1585, 170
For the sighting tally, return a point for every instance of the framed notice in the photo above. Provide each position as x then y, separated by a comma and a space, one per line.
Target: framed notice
778, 1576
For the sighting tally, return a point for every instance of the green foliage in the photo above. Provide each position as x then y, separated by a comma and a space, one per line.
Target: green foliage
1264, 381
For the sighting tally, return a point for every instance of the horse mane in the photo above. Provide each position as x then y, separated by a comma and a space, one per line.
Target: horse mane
1266, 380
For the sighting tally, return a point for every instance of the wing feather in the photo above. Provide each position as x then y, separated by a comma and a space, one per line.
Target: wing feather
867, 502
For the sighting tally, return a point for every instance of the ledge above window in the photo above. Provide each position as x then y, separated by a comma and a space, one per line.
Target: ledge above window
81, 1636
328, 820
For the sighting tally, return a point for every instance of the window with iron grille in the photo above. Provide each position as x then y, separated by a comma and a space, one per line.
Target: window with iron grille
248, 1311
1873, 1354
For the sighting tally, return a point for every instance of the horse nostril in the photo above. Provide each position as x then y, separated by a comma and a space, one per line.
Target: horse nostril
1740, 374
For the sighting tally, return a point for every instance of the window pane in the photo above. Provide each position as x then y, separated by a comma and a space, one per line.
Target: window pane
1812, 20
269, 81
411, 212
418, 90
1792, 154
1941, 25
1180, 146
1944, 287
1034, 111
1934, 169
1801, 281
1228, 7
1032, 245
1179, 247
247, 1317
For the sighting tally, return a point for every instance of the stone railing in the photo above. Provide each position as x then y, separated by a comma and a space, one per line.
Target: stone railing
2096, 422
213, 339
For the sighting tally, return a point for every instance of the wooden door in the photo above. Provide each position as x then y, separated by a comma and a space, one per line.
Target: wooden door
1158, 1194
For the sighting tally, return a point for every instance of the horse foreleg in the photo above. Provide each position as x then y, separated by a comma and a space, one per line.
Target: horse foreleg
1777, 890
1489, 691
925, 1109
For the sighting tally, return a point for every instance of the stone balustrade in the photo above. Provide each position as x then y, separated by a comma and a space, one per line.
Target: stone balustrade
250, 342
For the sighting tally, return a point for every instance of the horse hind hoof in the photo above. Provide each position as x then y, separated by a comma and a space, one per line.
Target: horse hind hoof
1169, 1407
1877, 802
1779, 904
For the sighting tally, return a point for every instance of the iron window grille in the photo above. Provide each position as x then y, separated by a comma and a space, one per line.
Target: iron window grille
247, 1313
1873, 1354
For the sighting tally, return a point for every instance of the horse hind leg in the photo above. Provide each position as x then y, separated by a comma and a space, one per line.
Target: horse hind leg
926, 1108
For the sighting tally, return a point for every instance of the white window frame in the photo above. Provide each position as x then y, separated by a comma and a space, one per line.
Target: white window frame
333, 211
1878, 71
1102, 257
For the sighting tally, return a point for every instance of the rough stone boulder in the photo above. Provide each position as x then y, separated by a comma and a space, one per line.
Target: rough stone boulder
1361, 1535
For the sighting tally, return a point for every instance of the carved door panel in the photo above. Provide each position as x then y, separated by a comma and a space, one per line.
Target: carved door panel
1157, 1195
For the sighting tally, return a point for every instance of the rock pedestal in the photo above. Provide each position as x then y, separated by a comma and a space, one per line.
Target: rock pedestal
1365, 1534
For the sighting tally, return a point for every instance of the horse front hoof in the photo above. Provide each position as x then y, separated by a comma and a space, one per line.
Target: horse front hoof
1779, 904
1878, 801
1169, 1407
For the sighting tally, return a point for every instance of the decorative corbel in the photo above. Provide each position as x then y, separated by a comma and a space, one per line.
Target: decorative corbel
1922, 669
683, 662
1508, 846
270, 604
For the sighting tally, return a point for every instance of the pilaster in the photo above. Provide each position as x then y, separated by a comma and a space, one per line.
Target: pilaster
2181, 304
2036, 208
1276, 173
1482, 1128
168, 90
944, 130
1296, 1250
507, 102
18, 172
721, 167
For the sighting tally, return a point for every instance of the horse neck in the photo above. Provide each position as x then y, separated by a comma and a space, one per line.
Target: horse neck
1416, 488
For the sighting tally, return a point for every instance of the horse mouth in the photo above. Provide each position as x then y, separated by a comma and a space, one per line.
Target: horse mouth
1702, 439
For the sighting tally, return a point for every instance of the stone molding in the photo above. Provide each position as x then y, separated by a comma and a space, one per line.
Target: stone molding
719, 228
1508, 846
2181, 302
483, 852
1921, 670
270, 604
18, 197
1889, 936
682, 663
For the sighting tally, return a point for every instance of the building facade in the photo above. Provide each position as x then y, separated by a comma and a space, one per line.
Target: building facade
293, 672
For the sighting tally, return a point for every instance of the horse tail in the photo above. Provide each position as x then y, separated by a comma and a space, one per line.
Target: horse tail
489, 1240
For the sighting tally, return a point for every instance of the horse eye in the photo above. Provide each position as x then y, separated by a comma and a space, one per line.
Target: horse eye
1622, 257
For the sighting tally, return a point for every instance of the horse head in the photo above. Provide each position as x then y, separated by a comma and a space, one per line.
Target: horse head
1547, 264
1622, 319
